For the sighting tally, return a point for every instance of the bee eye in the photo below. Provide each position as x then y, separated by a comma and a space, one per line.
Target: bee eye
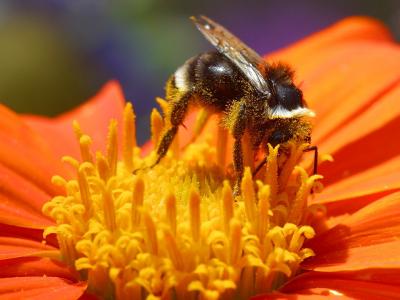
278, 137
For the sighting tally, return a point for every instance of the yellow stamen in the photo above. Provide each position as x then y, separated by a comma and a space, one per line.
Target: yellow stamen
299, 205
173, 250
151, 233
235, 240
175, 231
264, 205
194, 211
77, 129
112, 147
103, 167
84, 190
227, 205
163, 104
156, 126
272, 171
170, 204
109, 210
291, 162
137, 200
249, 197
85, 142
129, 136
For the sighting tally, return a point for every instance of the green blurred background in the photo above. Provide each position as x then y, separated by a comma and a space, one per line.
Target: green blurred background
54, 54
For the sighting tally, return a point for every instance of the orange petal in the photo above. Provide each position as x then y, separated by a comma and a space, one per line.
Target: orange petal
11, 247
26, 153
349, 195
21, 201
349, 29
384, 177
26, 167
375, 148
353, 77
27, 233
349, 285
31, 266
40, 288
93, 116
366, 239
364, 143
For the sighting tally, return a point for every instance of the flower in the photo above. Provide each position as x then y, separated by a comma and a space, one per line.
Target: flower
109, 242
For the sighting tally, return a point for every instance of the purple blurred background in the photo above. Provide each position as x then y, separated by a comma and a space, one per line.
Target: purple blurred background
55, 54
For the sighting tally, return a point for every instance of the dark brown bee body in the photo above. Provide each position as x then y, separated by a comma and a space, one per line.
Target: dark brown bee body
251, 94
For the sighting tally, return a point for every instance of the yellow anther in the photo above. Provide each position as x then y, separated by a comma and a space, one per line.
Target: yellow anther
235, 241
272, 172
112, 147
102, 166
85, 192
170, 205
194, 211
298, 207
69, 160
173, 250
249, 197
295, 153
109, 210
137, 200
129, 136
157, 124
77, 129
326, 157
58, 181
163, 104
151, 233
227, 205
84, 142
264, 205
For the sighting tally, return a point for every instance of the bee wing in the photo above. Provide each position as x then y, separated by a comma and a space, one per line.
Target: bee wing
246, 59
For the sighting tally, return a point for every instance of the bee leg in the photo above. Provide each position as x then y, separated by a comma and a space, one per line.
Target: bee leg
238, 129
178, 112
258, 168
315, 149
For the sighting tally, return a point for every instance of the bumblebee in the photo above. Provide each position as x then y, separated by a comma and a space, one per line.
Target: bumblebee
252, 95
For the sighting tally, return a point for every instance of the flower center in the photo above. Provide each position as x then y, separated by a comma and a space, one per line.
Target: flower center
176, 231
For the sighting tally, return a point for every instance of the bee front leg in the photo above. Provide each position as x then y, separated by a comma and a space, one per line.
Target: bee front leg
178, 112
239, 126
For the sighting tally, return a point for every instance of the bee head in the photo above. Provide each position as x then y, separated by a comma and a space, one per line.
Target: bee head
294, 129
286, 99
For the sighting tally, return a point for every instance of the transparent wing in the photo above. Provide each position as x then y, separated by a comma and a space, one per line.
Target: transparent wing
245, 58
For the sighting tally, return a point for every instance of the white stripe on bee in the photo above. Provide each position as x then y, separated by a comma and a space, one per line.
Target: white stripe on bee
281, 112
181, 78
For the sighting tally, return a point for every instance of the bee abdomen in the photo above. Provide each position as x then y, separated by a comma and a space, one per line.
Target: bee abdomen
212, 77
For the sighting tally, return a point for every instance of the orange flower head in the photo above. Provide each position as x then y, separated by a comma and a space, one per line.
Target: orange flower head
176, 230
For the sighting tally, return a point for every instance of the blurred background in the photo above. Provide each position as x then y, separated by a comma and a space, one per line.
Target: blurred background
54, 54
